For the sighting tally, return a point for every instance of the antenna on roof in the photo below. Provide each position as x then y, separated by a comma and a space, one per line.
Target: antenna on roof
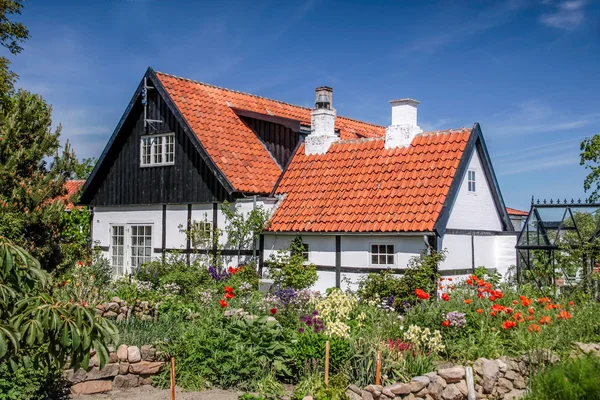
148, 121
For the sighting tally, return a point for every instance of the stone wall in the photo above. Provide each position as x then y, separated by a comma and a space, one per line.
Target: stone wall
128, 367
119, 309
504, 378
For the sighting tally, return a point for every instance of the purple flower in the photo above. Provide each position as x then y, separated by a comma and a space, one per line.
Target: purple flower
218, 275
301, 330
315, 313
390, 301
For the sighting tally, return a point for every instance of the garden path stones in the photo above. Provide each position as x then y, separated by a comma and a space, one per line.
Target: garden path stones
452, 375
122, 352
126, 381
133, 354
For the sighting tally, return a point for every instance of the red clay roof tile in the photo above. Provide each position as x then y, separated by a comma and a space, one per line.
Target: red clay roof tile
359, 186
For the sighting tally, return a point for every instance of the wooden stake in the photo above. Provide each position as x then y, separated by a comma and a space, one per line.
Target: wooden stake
172, 378
378, 369
471, 394
327, 363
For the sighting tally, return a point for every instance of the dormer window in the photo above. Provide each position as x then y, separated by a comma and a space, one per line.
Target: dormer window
157, 150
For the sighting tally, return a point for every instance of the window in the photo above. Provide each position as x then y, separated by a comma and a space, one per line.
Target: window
117, 248
382, 254
140, 245
201, 234
158, 150
471, 180
305, 251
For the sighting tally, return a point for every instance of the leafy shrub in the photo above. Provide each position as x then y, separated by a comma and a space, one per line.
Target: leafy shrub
25, 383
309, 352
573, 380
289, 269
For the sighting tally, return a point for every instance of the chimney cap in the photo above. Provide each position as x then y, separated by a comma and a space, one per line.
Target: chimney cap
325, 88
407, 101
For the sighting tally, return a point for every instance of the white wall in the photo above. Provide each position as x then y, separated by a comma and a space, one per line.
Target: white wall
459, 252
517, 221
475, 210
506, 254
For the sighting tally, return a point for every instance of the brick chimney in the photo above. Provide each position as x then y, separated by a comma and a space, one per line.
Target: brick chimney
404, 124
322, 123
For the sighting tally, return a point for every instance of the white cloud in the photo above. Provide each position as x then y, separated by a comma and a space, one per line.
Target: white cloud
567, 16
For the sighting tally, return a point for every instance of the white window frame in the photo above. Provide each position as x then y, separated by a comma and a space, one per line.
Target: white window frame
166, 147
118, 270
379, 254
306, 252
127, 265
471, 181
206, 226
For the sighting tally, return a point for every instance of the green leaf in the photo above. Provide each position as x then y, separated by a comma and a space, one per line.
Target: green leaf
3, 345
76, 339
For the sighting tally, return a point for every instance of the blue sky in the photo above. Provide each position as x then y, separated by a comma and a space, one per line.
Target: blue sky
527, 71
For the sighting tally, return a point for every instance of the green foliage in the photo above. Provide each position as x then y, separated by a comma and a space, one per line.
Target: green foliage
243, 230
82, 169
268, 387
421, 273
85, 282
11, 35
309, 352
313, 385
32, 171
135, 332
572, 380
30, 383
75, 237
589, 157
30, 318
289, 269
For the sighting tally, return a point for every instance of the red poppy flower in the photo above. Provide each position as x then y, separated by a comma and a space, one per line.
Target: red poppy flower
530, 318
493, 313
515, 302
229, 295
481, 282
441, 287
228, 289
525, 301
421, 294
509, 324
492, 298
273, 311
223, 303
571, 303
564, 315
534, 328
469, 282
497, 307
550, 307
450, 279
530, 310
480, 310
445, 297
468, 301
232, 270
543, 300
508, 310
545, 320
446, 323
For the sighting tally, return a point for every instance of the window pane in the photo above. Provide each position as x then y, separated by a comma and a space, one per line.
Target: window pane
382, 260
390, 260
390, 249
374, 248
374, 259
148, 230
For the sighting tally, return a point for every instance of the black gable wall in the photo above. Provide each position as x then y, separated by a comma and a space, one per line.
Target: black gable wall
121, 180
278, 139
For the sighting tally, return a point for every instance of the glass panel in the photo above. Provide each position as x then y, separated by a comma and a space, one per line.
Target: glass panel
390, 260
373, 259
390, 249
382, 260
374, 248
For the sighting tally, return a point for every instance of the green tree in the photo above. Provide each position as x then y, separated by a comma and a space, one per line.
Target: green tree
33, 169
242, 229
84, 168
31, 320
289, 268
11, 35
590, 157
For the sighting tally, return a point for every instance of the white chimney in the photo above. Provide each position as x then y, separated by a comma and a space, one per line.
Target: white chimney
404, 124
322, 123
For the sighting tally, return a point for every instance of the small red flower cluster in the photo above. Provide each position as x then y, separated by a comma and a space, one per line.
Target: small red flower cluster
228, 294
421, 294
233, 270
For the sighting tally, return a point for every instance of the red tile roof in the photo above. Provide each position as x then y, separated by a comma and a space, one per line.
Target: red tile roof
71, 187
359, 186
231, 144
514, 211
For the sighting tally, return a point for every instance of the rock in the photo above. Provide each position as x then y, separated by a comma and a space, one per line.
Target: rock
452, 393
501, 365
120, 318
417, 383
431, 375
126, 381
145, 380
540, 357
355, 389
452, 375
504, 386
587, 348
91, 387
75, 376
350, 393
144, 305
110, 314
366, 395
122, 352
133, 354
100, 307
307, 398
462, 387
108, 371
520, 382
114, 307
271, 319
489, 371
511, 375
93, 361
115, 299
122, 310
147, 353
514, 395
146, 368
422, 393
123, 368
229, 313
113, 357
399, 388
387, 393
435, 390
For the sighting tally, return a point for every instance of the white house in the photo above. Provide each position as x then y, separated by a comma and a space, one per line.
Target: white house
362, 197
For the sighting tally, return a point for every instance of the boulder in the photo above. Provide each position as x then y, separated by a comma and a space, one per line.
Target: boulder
309, 398
519, 382
501, 365
511, 375
110, 314
73, 377
126, 381
91, 387
146, 368
113, 306
399, 388
366, 395
108, 371
462, 386
489, 372
452, 375
123, 368
540, 357
355, 389
504, 386
145, 380
93, 361
452, 393
351, 395
113, 357
435, 390
418, 383
147, 353
133, 354
387, 393
122, 352
514, 395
